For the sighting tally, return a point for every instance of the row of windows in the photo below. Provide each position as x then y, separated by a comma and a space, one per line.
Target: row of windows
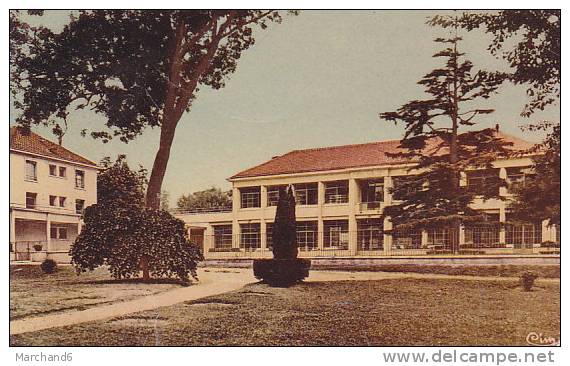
335, 234
305, 194
372, 190
370, 235
54, 171
54, 201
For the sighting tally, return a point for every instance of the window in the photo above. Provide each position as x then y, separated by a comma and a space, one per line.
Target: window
307, 237
273, 195
269, 236
63, 172
484, 180
52, 170
336, 234
483, 234
306, 194
223, 236
31, 199
523, 234
250, 236
406, 239
57, 232
250, 197
52, 200
79, 179
62, 201
372, 191
440, 238
518, 177
31, 170
336, 192
79, 206
370, 234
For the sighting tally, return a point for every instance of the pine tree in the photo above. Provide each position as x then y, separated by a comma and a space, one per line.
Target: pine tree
434, 196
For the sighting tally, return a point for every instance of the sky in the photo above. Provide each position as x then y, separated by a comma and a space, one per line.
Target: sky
318, 79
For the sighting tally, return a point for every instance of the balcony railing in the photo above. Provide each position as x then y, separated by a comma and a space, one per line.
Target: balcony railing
370, 206
218, 209
475, 241
44, 208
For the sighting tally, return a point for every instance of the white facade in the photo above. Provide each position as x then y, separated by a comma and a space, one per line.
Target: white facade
47, 196
341, 220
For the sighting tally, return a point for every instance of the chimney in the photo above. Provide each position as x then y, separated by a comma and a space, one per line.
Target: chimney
497, 127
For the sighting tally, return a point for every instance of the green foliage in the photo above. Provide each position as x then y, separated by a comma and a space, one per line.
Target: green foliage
48, 266
212, 198
137, 68
119, 232
527, 279
539, 198
284, 231
433, 196
119, 63
118, 184
529, 40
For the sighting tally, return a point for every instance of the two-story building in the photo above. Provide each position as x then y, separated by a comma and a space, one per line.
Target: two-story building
341, 193
49, 188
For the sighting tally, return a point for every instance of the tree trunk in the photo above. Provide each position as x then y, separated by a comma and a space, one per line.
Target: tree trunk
159, 167
144, 268
155, 181
453, 150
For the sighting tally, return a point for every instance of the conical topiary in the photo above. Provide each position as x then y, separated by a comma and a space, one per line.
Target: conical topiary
285, 268
284, 233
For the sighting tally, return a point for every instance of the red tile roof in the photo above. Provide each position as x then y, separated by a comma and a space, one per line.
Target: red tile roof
35, 144
343, 157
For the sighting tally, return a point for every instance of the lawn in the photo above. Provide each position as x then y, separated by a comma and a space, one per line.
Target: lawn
508, 270
382, 313
34, 293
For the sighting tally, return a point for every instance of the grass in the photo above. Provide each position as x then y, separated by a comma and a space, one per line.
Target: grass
34, 293
383, 313
544, 271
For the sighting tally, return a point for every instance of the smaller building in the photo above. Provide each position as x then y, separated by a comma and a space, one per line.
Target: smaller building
49, 188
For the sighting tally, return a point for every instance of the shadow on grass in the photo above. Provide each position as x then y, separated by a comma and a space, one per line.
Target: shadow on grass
138, 280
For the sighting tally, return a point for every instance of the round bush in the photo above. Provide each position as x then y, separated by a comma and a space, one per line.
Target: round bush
48, 266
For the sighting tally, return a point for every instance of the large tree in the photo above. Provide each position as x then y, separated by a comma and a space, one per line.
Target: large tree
529, 40
138, 68
435, 197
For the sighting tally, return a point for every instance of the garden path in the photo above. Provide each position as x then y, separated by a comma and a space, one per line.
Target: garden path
213, 281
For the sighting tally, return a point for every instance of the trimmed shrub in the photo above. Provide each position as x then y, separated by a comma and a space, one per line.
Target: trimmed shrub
285, 269
48, 266
527, 280
281, 272
122, 238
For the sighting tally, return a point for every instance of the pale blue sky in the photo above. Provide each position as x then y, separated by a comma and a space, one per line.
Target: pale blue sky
318, 79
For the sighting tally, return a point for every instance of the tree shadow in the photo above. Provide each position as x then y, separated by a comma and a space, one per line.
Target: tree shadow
138, 280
